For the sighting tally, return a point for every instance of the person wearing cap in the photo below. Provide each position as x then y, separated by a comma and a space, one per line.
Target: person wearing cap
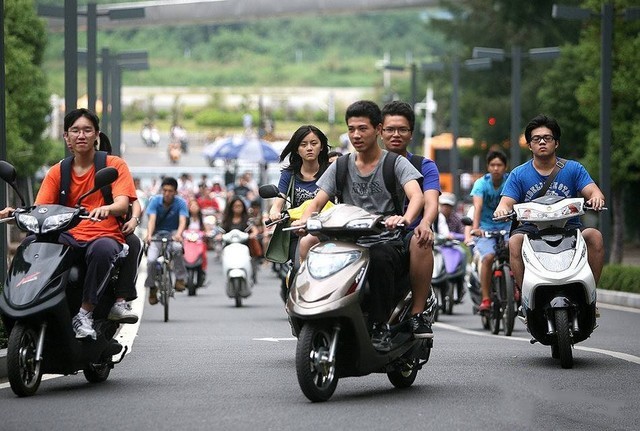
486, 196
452, 219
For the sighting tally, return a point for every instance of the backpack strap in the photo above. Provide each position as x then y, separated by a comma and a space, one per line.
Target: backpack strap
99, 162
342, 167
416, 161
389, 176
65, 180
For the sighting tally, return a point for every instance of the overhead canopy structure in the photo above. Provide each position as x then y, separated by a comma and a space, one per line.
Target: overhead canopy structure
182, 12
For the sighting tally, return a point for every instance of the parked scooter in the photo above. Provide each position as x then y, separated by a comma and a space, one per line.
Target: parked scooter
195, 258
449, 269
325, 309
558, 291
237, 265
42, 292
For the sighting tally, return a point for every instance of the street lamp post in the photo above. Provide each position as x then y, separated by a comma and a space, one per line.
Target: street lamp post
70, 14
516, 57
472, 64
92, 15
134, 60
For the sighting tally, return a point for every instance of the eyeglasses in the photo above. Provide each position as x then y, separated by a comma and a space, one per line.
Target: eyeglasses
402, 131
88, 131
537, 138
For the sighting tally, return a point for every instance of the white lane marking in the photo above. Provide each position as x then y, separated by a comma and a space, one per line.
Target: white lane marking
619, 355
275, 340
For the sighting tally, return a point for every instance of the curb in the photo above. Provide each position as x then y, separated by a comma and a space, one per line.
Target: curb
611, 297
614, 297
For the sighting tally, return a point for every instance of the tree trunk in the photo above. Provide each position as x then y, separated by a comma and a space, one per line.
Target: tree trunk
617, 218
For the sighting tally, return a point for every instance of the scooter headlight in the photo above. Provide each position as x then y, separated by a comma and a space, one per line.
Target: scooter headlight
322, 265
56, 221
28, 222
557, 262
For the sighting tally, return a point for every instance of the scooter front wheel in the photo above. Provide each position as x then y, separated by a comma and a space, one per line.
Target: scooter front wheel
317, 376
192, 281
511, 308
23, 369
563, 334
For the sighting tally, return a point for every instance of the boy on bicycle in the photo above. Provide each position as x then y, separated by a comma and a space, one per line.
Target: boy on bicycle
167, 213
486, 196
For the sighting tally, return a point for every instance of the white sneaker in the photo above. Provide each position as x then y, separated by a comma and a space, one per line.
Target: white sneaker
121, 313
83, 326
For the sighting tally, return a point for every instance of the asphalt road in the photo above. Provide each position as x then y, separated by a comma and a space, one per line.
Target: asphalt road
215, 366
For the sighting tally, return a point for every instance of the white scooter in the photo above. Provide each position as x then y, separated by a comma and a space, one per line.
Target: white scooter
237, 265
558, 291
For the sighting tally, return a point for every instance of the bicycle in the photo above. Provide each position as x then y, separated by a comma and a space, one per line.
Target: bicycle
164, 278
504, 305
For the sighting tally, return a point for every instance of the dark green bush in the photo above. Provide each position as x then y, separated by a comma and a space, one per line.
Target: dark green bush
623, 278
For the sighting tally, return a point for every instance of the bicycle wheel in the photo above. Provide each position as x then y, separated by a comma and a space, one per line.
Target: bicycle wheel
510, 311
165, 291
495, 313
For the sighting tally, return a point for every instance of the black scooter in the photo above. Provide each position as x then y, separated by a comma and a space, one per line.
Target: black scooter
42, 292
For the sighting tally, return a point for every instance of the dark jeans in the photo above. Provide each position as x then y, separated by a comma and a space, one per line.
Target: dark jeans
99, 255
389, 264
126, 287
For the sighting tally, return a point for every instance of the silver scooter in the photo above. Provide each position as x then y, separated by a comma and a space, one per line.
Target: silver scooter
326, 314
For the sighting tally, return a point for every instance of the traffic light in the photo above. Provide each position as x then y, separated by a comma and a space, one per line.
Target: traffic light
492, 121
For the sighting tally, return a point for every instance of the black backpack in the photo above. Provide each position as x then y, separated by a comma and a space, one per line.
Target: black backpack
99, 161
388, 174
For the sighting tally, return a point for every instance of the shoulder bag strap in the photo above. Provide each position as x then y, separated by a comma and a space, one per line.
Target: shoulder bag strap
559, 165
292, 188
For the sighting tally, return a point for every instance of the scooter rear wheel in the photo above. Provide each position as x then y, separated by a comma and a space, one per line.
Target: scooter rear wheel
405, 374
22, 368
316, 376
97, 373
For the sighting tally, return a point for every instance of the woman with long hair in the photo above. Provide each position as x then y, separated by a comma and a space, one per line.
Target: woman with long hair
308, 153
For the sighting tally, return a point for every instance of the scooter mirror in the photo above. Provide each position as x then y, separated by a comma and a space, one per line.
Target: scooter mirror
104, 177
7, 172
268, 191
9, 175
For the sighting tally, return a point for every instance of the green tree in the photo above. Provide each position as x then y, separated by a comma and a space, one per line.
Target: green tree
26, 88
497, 24
625, 116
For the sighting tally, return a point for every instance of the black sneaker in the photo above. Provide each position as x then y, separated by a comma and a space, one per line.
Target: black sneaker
381, 337
420, 326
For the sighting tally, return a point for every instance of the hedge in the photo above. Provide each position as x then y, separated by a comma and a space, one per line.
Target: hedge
622, 278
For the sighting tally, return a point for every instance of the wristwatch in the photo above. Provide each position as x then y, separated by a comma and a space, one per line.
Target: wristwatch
137, 219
